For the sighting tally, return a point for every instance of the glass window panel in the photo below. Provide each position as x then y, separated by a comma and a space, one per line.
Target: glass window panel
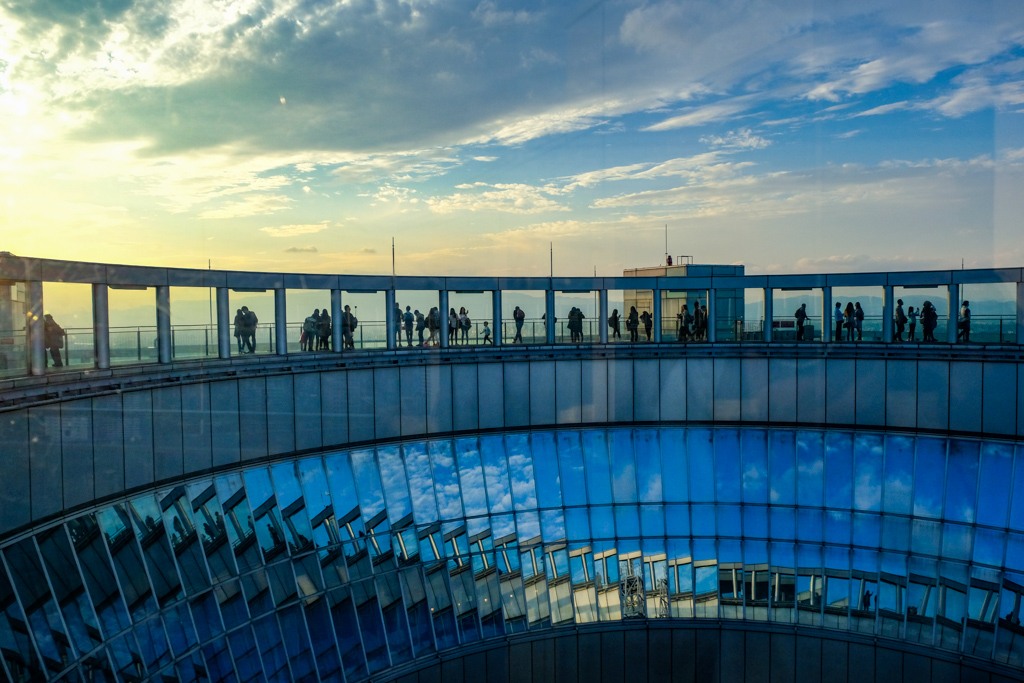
675, 466
810, 457
627, 521
809, 527
867, 452
838, 527
962, 480
268, 637
755, 521
988, 547
180, 631
648, 465
577, 524
925, 537
153, 643
729, 520
898, 483
755, 465
929, 477
552, 524
40, 608
702, 520
620, 447
545, 464
677, 520
570, 465
520, 467
325, 650
421, 482
396, 489
245, 655
296, 641
782, 466
180, 527
652, 521
838, 470
238, 521
599, 479
99, 576
602, 522
728, 472
116, 528
528, 526
156, 548
700, 454
446, 480
368, 486
499, 490
783, 524
996, 479
956, 541
866, 529
68, 588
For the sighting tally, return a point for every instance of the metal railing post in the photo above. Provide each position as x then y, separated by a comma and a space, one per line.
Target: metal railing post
337, 338
953, 315
101, 325
281, 320
163, 324
496, 328
549, 312
206, 341
442, 304
1020, 313
769, 312
656, 305
712, 320
389, 318
224, 324
36, 328
138, 343
827, 320
887, 312
602, 316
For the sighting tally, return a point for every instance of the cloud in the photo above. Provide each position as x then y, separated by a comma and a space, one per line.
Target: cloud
885, 108
504, 198
849, 134
254, 205
699, 116
741, 139
294, 230
301, 250
367, 250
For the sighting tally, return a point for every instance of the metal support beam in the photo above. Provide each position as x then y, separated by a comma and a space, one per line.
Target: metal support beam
656, 305
712, 319
389, 317
827, 319
281, 322
953, 306
888, 308
549, 312
442, 297
36, 331
496, 316
101, 326
769, 312
1020, 313
225, 323
163, 323
602, 317
337, 338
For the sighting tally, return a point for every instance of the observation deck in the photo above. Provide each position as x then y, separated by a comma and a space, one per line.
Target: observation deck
730, 507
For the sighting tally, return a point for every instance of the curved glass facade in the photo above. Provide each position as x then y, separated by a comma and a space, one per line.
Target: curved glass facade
340, 565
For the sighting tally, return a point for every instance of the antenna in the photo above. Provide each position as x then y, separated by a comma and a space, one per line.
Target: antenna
208, 267
392, 257
552, 246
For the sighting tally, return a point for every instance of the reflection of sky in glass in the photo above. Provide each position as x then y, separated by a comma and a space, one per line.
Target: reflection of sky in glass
898, 481
962, 480
285, 483
371, 497
471, 477
1017, 505
782, 468
810, 458
930, 477
570, 464
342, 484
421, 485
553, 525
520, 467
392, 475
599, 474
545, 470
700, 453
996, 467
499, 491
528, 524
838, 470
674, 465
446, 480
754, 457
648, 465
314, 486
502, 525
867, 463
728, 478
620, 448
257, 486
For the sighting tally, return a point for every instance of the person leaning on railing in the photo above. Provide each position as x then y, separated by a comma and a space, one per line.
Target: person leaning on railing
53, 339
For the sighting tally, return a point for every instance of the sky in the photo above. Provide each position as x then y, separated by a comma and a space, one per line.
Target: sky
303, 135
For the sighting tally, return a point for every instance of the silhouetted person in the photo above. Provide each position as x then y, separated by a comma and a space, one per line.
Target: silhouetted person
487, 334
250, 321
240, 329
398, 325
53, 339
965, 322
613, 322
310, 331
348, 326
912, 320
849, 320
801, 318
632, 324
421, 324
867, 600
648, 321
900, 320
453, 327
407, 322
859, 320
838, 316
519, 317
324, 331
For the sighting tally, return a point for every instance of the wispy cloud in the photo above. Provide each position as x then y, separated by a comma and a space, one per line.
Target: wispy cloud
301, 250
504, 198
699, 116
293, 230
741, 139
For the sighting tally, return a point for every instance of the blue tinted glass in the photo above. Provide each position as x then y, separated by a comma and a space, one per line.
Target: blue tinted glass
866, 529
729, 520
1017, 500
728, 475
314, 486
702, 520
988, 547
446, 480
755, 522
471, 477
258, 487
620, 447
838, 527
602, 522
674, 465
700, 453
930, 477
961, 480
599, 477
545, 469
520, 467
570, 465
810, 457
956, 541
577, 523
782, 467
421, 484
898, 487
755, 465
499, 491
648, 465
652, 521
396, 490
925, 537
528, 526
838, 470
677, 520
368, 487
867, 452
996, 479
552, 524
627, 521
809, 527
783, 524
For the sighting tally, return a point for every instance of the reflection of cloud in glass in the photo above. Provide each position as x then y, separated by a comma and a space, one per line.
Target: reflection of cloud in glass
528, 524
392, 475
257, 486
446, 482
524, 489
499, 493
371, 497
471, 477
286, 484
417, 466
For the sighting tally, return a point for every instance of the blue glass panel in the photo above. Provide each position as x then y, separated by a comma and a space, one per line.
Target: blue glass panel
128, 664
545, 465
392, 477
898, 487
421, 484
570, 465
1015, 552
782, 467
627, 521
728, 474
652, 521
839, 470
599, 477
925, 537
153, 643
648, 466
114, 523
620, 446
520, 467
783, 524
471, 477
602, 522
179, 627
346, 628
730, 522
702, 520
988, 547
245, 655
755, 521
838, 527
929, 477
677, 520
16, 645
218, 659
962, 480
40, 608
499, 490
996, 479
866, 529
577, 524
867, 452
700, 454
956, 541
674, 466
809, 528
446, 480
296, 642
528, 526
755, 465
810, 458
268, 637
206, 617
368, 486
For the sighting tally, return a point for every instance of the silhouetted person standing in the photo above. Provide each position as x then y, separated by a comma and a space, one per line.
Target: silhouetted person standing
965, 322
53, 339
648, 323
801, 318
613, 322
519, 317
250, 321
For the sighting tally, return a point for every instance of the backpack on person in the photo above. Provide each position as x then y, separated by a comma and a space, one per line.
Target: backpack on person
353, 322
466, 323
309, 325
800, 314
